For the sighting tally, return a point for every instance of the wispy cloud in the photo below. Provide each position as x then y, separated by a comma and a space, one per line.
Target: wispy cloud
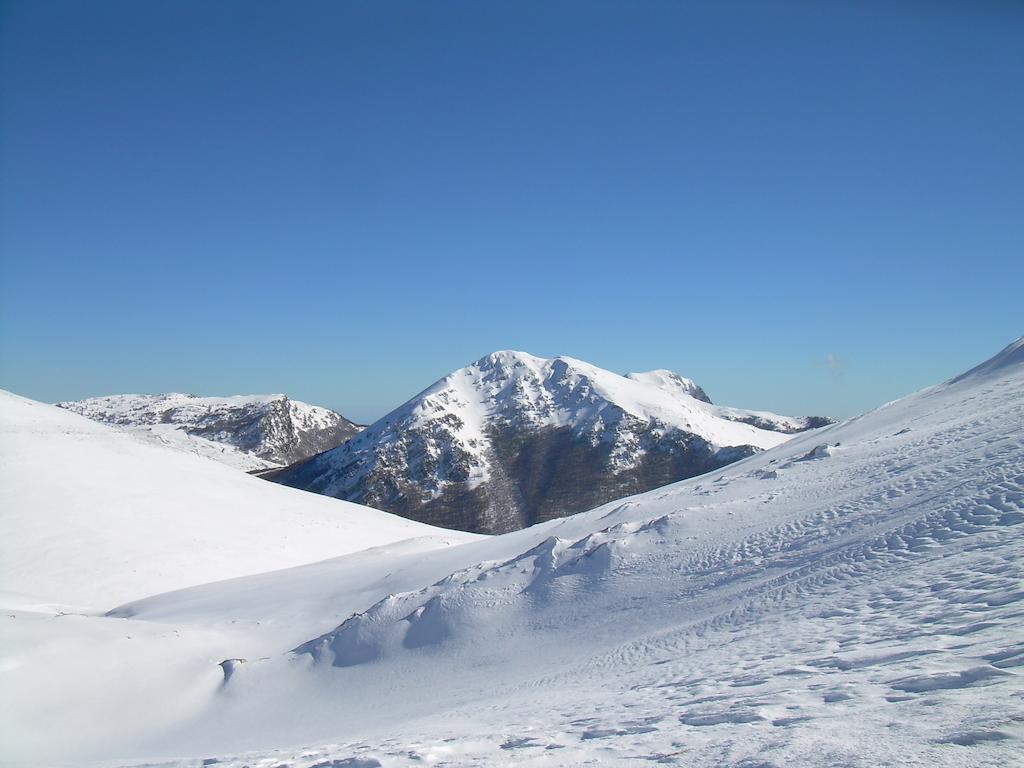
834, 364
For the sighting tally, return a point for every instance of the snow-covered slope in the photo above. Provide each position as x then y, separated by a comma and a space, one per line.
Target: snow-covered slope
852, 597
92, 515
515, 439
248, 432
671, 382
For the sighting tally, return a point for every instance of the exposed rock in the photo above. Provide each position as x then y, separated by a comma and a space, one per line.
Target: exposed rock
252, 432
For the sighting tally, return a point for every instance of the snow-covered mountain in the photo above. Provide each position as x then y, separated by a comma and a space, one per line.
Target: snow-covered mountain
851, 597
513, 440
93, 515
249, 432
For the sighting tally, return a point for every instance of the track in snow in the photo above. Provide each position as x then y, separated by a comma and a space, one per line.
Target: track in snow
851, 598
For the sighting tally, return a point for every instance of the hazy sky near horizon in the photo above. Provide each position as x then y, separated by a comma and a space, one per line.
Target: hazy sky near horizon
808, 207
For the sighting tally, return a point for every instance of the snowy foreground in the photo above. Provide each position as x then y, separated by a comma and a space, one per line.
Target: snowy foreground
93, 515
853, 597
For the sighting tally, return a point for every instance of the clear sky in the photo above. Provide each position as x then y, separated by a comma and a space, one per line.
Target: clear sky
807, 206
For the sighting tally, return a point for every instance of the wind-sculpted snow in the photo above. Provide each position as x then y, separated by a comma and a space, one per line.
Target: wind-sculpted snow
434, 614
852, 597
249, 432
514, 439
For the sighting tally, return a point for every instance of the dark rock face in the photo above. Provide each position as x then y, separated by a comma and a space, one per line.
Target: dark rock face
278, 432
553, 473
535, 475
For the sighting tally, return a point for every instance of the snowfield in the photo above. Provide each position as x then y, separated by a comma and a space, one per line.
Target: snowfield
93, 515
854, 597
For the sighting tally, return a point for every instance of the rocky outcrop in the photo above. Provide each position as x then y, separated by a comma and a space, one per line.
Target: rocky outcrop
254, 432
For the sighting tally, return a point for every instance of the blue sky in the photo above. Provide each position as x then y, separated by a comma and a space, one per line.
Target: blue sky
811, 207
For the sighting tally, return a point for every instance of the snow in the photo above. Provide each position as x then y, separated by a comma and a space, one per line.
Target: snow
564, 391
94, 516
851, 597
247, 432
173, 436
671, 382
139, 408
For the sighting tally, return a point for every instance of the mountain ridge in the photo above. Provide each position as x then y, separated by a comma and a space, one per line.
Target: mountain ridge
513, 439
249, 432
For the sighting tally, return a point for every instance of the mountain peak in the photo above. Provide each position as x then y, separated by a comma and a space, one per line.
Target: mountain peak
671, 381
513, 439
508, 358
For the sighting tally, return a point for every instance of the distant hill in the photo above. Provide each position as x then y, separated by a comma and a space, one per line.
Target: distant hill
249, 432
